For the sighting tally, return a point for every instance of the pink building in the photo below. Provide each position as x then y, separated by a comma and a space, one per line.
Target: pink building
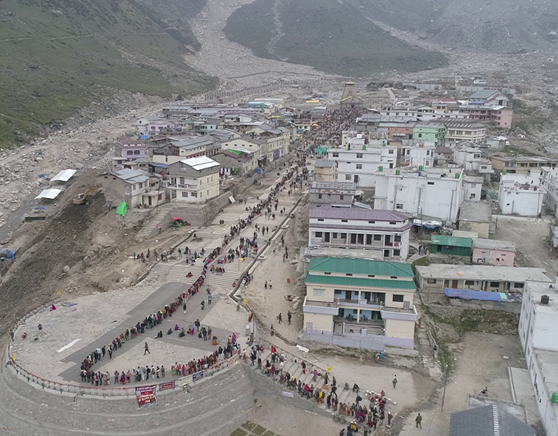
500, 116
493, 252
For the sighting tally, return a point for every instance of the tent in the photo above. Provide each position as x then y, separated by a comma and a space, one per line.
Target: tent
122, 209
63, 176
51, 194
321, 151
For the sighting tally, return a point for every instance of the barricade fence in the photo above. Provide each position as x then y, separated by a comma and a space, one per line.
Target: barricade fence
105, 391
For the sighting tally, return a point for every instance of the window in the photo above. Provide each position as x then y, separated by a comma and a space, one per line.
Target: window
518, 285
136, 152
341, 197
469, 282
319, 195
335, 154
318, 292
399, 206
320, 219
207, 192
430, 183
184, 194
319, 234
347, 177
129, 152
334, 235
397, 238
431, 281
327, 273
344, 221
396, 252
472, 196
359, 155
392, 223
390, 151
377, 237
358, 166
372, 275
494, 284
348, 274
397, 298
371, 222
343, 236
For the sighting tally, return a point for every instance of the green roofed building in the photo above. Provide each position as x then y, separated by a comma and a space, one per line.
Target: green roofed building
451, 245
360, 303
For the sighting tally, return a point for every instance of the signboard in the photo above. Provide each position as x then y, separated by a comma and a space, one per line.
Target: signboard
197, 376
166, 386
146, 396
288, 394
183, 381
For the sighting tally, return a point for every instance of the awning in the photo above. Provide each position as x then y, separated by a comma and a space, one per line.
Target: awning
469, 294
63, 176
176, 218
51, 194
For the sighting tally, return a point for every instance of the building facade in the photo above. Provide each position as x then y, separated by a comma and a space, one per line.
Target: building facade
538, 334
493, 252
325, 170
193, 180
369, 229
322, 193
360, 303
436, 192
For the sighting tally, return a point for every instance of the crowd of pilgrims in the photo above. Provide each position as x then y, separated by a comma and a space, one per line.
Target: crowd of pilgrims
368, 415
89, 375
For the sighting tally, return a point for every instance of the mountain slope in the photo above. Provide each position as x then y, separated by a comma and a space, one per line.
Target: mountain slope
500, 26
59, 55
330, 35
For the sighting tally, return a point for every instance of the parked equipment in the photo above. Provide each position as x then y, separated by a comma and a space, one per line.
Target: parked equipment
82, 198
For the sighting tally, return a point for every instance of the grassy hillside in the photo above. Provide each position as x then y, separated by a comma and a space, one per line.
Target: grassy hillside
329, 35
59, 55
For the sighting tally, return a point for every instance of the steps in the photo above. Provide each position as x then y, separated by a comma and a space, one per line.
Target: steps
149, 228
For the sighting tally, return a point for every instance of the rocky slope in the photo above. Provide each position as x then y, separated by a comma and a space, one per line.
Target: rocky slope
60, 55
330, 35
500, 26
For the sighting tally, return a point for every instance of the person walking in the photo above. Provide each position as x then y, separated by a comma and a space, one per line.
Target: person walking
389, 416
289, 316
418, 421
146, 349
279, 318
197, 324
209, 298
394, 381
270, 285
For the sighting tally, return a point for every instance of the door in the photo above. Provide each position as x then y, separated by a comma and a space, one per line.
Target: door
386, 253
326, 237
356, 178
454, 284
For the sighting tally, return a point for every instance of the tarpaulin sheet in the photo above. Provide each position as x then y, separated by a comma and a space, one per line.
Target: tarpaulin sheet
469, 294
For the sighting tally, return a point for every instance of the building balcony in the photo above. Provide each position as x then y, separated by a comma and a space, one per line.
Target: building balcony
338, 243
363, 304
182, 186
402, 314
320, 307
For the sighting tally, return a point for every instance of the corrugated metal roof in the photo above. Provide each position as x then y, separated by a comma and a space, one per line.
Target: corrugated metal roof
451, 241
360, 282
51, 194
324, 163
489, 420
63, 176
357, 214
360, 266
493, 244
200, 163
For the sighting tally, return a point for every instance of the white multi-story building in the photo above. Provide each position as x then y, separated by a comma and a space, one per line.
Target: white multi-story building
549, 181
193, 180
521, 194
463, 130
361, 165
469, 156
538, 333
472, 188
417, 153
341, 227
435, 193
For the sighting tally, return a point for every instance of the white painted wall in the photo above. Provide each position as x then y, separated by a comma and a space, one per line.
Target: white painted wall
435, 197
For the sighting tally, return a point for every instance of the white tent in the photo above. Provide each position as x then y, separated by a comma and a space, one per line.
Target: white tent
63, 176
51, 194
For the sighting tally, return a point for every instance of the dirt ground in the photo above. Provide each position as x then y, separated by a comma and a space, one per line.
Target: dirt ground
531, 237
481, 360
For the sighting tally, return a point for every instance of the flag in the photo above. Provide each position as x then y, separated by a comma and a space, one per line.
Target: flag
328, 369
122, 209
59, 292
